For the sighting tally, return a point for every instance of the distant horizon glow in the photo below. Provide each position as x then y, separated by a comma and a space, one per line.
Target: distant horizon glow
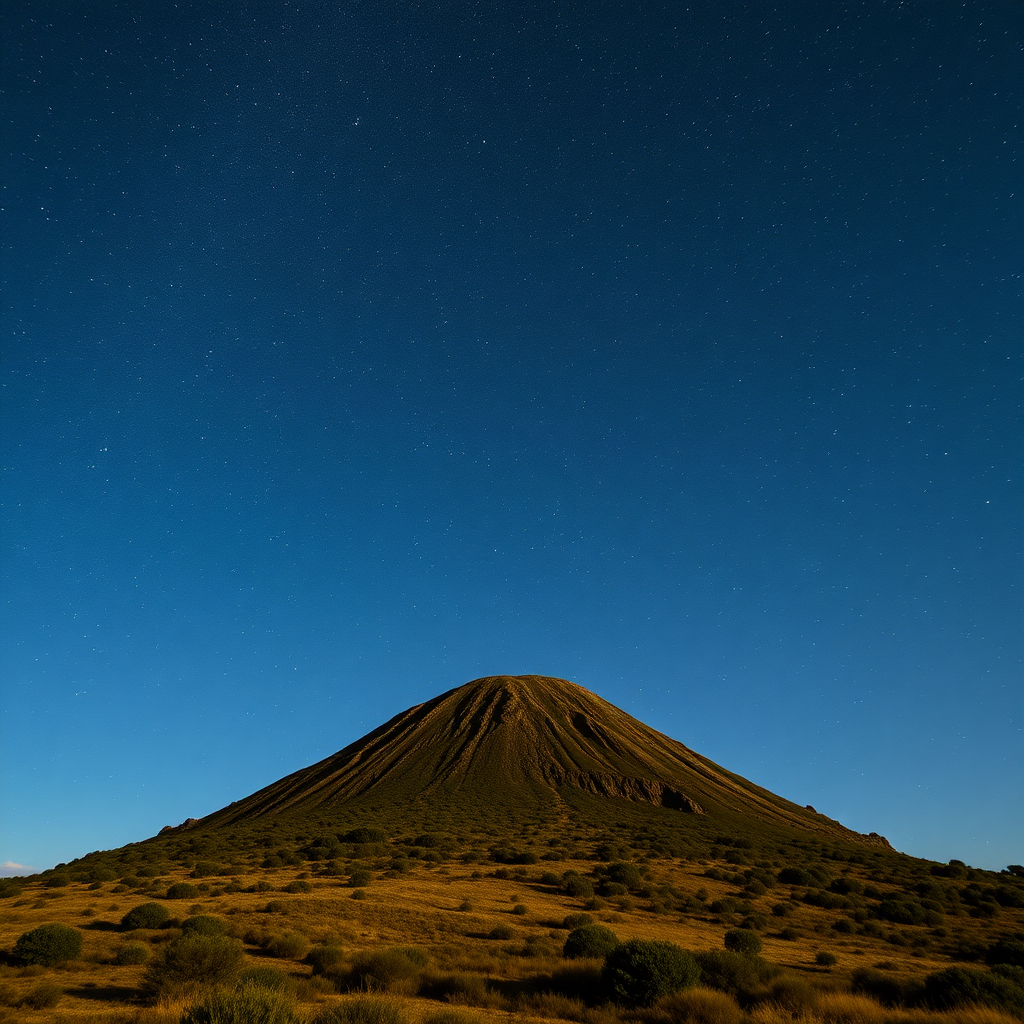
351, 354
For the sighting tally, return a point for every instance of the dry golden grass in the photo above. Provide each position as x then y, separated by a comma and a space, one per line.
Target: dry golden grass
421, 908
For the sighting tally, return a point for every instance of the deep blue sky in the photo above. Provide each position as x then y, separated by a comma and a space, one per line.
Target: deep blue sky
353, 351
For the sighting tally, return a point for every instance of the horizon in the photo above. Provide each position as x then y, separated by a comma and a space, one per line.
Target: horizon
350, 354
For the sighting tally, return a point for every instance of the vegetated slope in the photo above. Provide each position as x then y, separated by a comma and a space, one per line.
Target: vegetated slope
528, 740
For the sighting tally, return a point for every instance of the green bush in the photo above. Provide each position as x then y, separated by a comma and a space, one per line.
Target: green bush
49, 944
625, 874
204, 924
892, 991
366, 1010
900, 910
743, 940
576, 921
196, 960
131, 954
1007, 950
369, 835
44, 996
1002, 987
146, 915
824, 959
575, 885
386, 970
698, 1006
733, 972
589, 941
182, 891
359, 878
502, 932
324, 959
248, 1004
638, 972
287, 946
205, 868
10, 887
267, 977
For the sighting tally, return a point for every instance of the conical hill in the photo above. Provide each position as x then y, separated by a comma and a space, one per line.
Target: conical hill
530, 744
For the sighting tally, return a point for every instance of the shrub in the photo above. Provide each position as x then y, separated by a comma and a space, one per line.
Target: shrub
267, 977
386, 970
298, 885
502, 932
370, 835
145, 915
1007, 950
885, 988
248, 1004
733, 972
458, 988
571, 921
589, 941
205, 868
625, 874
325, 958
575, 885
49, 944
9, 887
196, 960
44, 996
900, 911
793, 994
287, 946
1002, 987
359, 878
130, 954
826, 959
642, 970
365, 1010
182, 891
697, 1006
743, 940
520, 910
204, 924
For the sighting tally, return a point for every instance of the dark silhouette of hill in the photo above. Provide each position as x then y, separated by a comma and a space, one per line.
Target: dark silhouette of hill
525, 746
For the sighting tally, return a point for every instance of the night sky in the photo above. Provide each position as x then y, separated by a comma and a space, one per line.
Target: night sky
354, 351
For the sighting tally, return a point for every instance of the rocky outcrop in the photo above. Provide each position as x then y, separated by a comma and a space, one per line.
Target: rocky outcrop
187, 823
641, 791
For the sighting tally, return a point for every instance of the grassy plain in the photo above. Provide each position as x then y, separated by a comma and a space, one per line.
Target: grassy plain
844, 929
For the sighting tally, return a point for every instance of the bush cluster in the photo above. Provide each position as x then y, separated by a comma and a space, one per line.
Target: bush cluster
195, 959
48, 945
592, 941
146, 915
639, 971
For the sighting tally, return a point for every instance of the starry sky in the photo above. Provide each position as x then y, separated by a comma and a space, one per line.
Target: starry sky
354, 351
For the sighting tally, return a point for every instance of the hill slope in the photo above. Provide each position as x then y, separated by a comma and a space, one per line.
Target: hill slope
533, 741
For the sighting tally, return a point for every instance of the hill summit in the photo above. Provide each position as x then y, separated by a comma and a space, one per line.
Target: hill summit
531, 743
